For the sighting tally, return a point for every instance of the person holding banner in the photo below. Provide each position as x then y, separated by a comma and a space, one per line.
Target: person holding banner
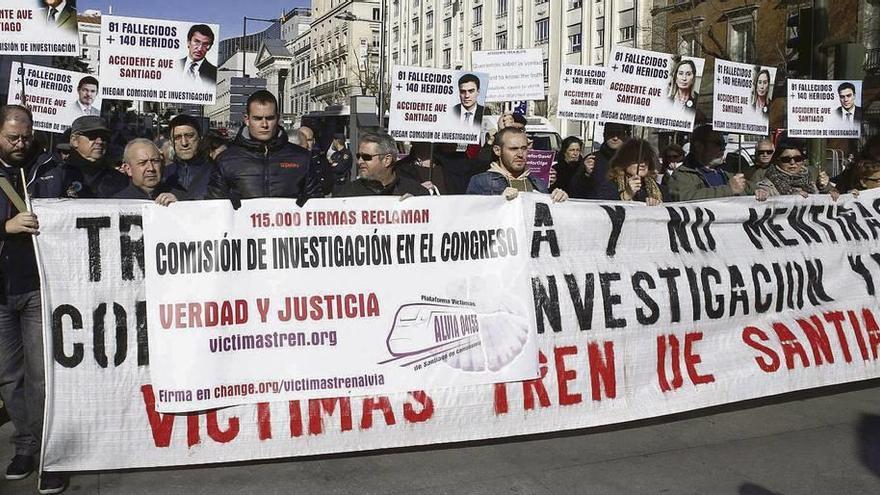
261, 162
86, 91
377, 174
89, 137
631, 176
591, 177
681, 87
22, 380
701, 176
191, 169
761, 92
509, 175
142, 162
790, 175
568, 162
866, 175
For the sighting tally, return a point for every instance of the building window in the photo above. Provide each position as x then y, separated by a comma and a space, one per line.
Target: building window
415, 54
502, 8
600, 37
542, 30
395, 35
546, 70
376, 16
689, 43
741, 39
429, 52
477, 45
395, 8
478, 15
416, 3
575, 4
501, 41
447, 57
429, 20
539, 2
447, 26
626, 33
415, 25
574, 43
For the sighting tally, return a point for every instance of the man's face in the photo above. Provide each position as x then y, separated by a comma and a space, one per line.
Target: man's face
711, 152
87, 93
90, 145
763, 154
16, 139
371, 164
615, 139
144, 166
186, 141
512, 153
52, 3
198, 46
261, 121
308, 137
847, 99
467, 93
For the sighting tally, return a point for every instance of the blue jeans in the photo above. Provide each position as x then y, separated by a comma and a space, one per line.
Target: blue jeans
22, 382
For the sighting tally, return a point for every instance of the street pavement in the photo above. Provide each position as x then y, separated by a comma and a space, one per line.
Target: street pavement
818, 441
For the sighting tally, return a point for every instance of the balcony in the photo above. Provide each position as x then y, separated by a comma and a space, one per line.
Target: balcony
872, 61
330, 87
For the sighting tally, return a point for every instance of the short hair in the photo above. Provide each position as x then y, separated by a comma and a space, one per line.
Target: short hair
503, 134
632, 151
702, 133
673, 147
184, 119
846, 85
261, 96
203, 29
8, 112
469, 78
568, 142
134, 142
384, 141
764, 141
864, 168
86, 80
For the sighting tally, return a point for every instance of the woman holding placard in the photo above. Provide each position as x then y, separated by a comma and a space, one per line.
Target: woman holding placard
789, 175
631, 175
681, 88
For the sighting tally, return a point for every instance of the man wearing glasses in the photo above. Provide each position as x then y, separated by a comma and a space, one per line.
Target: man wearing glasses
199, 41
142, 162
763, 158
701, 175
22, 381
89, 139
376, 160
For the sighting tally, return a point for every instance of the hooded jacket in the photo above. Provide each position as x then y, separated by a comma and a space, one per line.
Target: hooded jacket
497, 179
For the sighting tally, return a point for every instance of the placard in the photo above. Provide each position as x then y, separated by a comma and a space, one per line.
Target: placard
33, 27
513, 74
742, 98
823, 109
55, 97
580, 91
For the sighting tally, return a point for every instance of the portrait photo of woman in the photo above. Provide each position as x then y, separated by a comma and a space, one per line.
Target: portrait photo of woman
682, 87
761, 92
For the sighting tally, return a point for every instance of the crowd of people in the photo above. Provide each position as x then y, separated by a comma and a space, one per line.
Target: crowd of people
264, 160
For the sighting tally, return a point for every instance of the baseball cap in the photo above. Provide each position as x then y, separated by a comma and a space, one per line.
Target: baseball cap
88, 123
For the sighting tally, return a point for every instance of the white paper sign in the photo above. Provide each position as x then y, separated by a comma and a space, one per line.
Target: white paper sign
236, 315
651, 89
818, 108
32, 27
742, 98
437, 105
513, 74
580, 91
159, 60
55, 97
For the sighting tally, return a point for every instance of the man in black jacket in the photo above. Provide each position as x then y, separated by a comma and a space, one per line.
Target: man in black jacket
89, 137
22, 382
191, 168
261, 162
142, 162
586, 183
376, 156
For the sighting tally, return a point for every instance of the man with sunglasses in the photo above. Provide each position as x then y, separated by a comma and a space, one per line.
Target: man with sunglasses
89, 140
587, 182
22, 381
701, 175
764, 150
376, 160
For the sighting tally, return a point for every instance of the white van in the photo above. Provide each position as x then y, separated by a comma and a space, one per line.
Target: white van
536, 127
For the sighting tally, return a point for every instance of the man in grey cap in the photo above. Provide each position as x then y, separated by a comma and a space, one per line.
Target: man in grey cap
89, 138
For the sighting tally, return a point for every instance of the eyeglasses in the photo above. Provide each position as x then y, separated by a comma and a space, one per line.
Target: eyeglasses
871, 179
367, 157
93, 135
764, 152
21, 138
790, 159
199, 44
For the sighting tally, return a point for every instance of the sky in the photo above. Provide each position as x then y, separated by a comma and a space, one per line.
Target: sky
227, 13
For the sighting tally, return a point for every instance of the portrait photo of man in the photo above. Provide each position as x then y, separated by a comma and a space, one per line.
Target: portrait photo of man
848, 111
195, 66
86, 91
468, 110
60, 14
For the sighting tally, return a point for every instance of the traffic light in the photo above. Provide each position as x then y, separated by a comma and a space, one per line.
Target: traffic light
799, 60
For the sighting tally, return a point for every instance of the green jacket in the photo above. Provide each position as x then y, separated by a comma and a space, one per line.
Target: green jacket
687, 183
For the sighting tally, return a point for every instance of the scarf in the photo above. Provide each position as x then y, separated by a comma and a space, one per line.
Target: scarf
649, 186
787, 183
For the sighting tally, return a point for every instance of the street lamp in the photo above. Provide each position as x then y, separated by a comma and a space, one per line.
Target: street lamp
244, 36
348, 16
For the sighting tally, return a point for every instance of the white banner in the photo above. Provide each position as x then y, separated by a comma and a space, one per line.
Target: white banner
33, 27
824, 109
238, 317
651, 89
56, 97
580, 91
640, 312
742, 98
159, 60
513, 74
437, 105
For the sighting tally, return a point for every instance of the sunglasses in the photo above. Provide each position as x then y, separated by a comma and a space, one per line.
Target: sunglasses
367, 157
93, 135
765, 152
790, 159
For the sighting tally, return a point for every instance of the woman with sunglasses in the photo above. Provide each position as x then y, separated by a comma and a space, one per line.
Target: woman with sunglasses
631, 175
789, 174
865, 175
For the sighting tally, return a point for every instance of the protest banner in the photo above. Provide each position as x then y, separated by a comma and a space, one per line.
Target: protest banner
742, 98
651, 89
437, 105
824, 109
539, 163
55, 97
158, 60
239, 319
580, 90
513, 74
734, 300
36, 28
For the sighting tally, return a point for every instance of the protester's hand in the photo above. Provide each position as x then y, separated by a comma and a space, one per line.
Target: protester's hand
823, 179
854, 192
552, 175
762, 194
405, 196
653, 201
558, 196
634, 183
490, 139
510, 193
835, 194
803, 194
23, 223
165, 199
738, 184
589, 165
